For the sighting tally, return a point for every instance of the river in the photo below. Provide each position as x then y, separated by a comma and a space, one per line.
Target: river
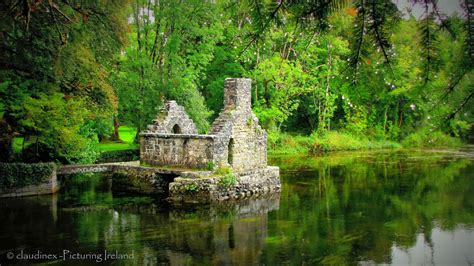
374, 207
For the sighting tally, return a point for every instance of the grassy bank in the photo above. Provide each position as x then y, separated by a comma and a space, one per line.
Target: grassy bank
284, 143
126, 133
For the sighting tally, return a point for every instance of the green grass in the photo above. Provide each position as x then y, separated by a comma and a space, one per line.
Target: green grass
17, 144
284, 143
427, 139
127, 135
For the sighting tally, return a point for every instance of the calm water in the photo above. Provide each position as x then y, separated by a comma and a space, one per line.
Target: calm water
394, 207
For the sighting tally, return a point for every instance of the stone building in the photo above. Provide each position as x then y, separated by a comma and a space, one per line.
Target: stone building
235, 138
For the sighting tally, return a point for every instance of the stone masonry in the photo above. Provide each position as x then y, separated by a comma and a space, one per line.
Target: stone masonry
243, 142
172, 118
235, 140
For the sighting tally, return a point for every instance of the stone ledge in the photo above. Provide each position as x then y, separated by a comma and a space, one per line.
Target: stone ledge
181, 136
204, 190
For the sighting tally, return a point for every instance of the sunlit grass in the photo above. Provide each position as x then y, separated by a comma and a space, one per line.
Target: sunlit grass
127, 135
18, 144
284, 143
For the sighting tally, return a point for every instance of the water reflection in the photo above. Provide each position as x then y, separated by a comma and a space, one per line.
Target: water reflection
363, 207
153, 231
395, 207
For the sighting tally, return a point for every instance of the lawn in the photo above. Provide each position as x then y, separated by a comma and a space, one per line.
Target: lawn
18, 143
126, 134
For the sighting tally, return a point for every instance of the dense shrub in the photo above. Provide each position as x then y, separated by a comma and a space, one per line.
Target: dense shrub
17, 175
427, 139
37, 153
283, 143
119, 156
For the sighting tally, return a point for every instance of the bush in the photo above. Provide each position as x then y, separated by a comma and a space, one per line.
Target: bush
227, 181
284, 143
223, 170
17, 175
36, 153
427, 139
119, 156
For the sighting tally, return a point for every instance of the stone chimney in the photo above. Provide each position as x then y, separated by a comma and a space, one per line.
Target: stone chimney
237, 93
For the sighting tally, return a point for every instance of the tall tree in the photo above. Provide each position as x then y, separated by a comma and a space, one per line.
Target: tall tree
51, 48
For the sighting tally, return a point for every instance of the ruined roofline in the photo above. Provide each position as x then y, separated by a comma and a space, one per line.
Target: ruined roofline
237, 93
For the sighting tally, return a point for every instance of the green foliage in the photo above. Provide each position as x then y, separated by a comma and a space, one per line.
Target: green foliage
427, 139
210, 165
71, 140
227, 180
53, 67
223, 170
191, 187
118, 156
358, 69
281, 83
283, 143
18, 175
168, 55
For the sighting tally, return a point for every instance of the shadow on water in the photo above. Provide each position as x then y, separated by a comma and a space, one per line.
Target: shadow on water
400, 207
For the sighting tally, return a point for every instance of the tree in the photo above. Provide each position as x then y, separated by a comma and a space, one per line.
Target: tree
51, 48
172, 44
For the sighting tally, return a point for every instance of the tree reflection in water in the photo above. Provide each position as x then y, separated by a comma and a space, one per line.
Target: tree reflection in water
345, 208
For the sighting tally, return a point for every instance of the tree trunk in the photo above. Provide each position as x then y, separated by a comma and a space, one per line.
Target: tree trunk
137, 137
6, 141
115, 136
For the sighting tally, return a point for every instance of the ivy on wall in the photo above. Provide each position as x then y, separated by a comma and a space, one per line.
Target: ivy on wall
17, 175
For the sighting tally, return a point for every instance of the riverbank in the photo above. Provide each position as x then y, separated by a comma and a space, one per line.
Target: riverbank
285, 143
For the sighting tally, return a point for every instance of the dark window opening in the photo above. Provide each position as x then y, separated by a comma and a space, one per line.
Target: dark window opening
230, 148
176, 129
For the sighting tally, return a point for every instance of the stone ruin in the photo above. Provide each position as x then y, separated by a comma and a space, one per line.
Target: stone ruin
235, 138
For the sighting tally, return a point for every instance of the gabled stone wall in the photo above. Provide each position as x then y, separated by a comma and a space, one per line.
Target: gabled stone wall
172, 118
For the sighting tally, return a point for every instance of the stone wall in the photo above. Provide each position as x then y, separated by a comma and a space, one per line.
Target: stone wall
209, 189
172, 118
141, 180
130, 177
235, 138
188, 151
244, 142
48, 185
